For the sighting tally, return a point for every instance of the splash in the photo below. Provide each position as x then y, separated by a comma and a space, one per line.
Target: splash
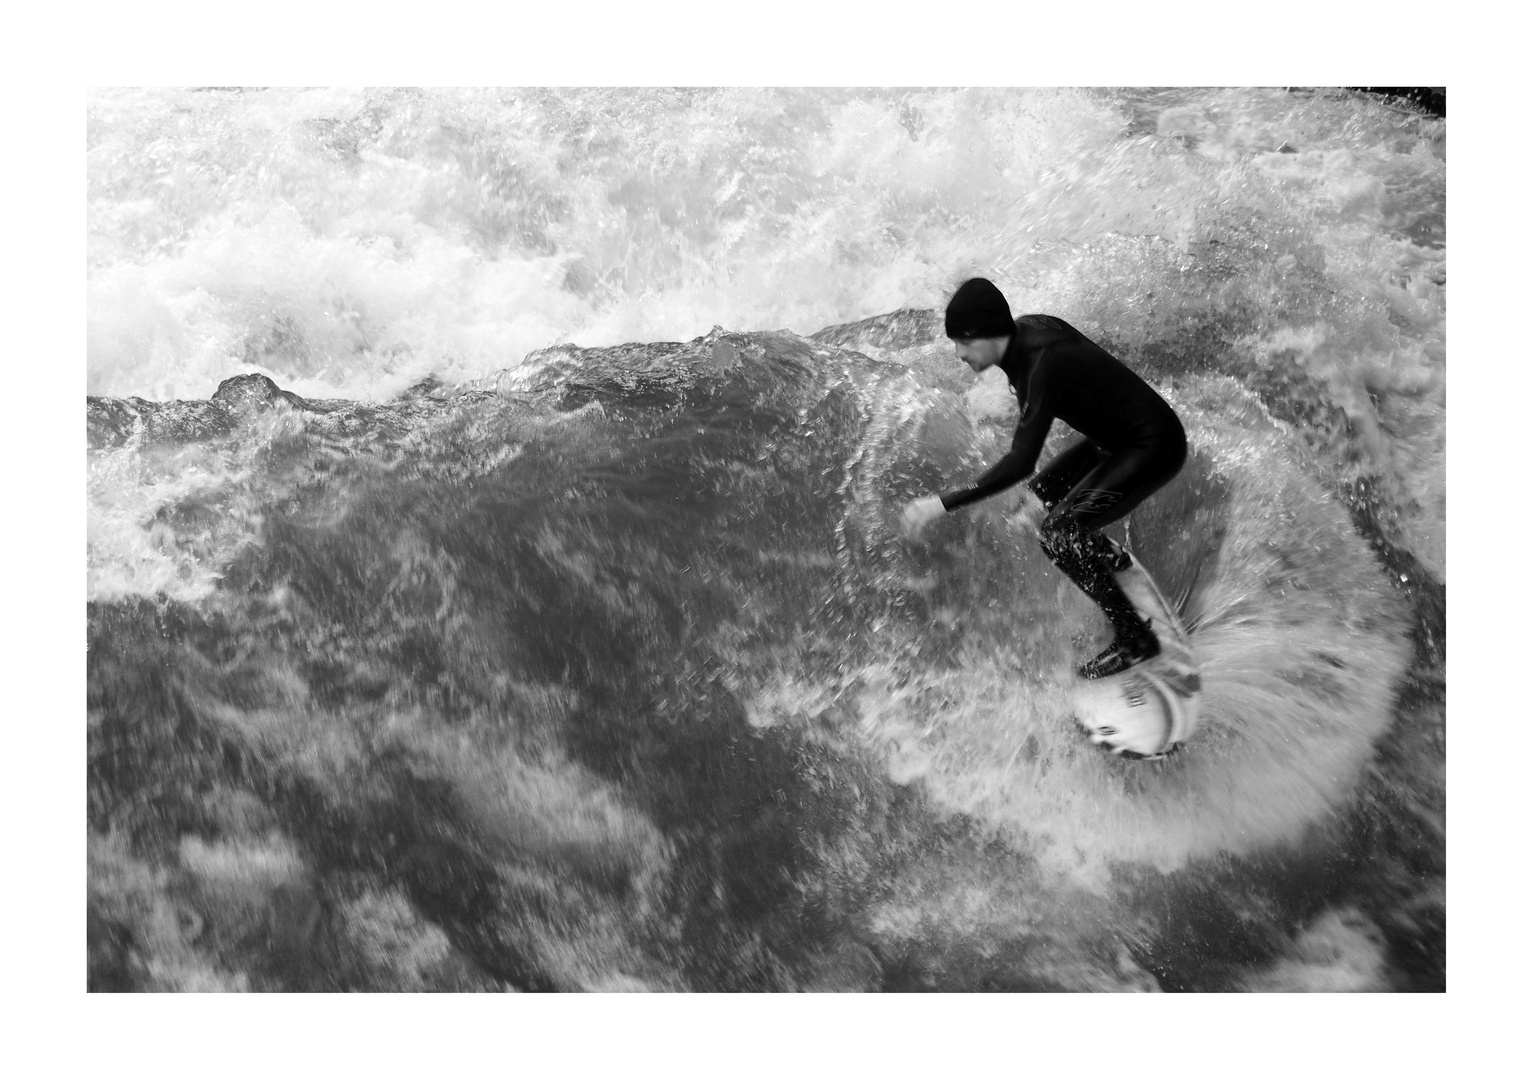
1299, 637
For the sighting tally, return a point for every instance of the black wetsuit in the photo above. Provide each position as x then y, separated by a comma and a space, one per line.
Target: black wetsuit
1133, 444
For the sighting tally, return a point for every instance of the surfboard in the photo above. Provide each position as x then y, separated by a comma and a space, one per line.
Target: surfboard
1152, 708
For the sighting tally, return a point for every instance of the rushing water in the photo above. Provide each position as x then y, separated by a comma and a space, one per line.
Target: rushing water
539, 619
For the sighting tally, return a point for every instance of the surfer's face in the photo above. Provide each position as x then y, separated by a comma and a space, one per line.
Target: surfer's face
980, 353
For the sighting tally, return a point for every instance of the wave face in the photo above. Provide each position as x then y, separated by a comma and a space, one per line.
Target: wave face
431, 650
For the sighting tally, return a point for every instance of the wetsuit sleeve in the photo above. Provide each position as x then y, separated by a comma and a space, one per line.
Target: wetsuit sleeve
1026, 445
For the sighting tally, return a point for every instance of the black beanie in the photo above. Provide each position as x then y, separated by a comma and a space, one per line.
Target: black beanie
978, 310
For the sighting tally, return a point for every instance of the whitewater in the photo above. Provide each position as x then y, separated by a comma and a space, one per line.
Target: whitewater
494, 574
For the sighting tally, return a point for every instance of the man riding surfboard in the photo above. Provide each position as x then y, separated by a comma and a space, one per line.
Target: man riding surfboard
1132, 445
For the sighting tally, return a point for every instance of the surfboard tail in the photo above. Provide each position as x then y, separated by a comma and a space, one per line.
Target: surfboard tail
1145, 595
1152, 708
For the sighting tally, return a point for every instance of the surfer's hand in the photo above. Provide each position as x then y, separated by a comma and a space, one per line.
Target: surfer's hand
919, 513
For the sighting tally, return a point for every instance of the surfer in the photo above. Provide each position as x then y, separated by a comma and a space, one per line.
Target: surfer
1132, 445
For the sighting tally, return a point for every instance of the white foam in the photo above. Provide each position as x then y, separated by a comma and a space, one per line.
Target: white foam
362, 238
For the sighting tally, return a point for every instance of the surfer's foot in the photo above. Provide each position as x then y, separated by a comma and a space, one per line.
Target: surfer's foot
1125, 651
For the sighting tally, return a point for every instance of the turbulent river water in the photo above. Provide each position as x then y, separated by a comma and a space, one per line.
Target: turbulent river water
494, 575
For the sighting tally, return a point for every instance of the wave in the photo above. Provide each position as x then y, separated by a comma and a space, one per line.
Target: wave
613, 672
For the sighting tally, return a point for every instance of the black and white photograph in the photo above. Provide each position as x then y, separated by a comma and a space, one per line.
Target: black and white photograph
683, 539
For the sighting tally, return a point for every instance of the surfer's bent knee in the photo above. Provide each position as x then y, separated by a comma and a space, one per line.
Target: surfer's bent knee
1118, 486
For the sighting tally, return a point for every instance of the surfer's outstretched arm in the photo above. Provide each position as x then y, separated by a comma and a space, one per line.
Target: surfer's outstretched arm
1016, 466
1012, 469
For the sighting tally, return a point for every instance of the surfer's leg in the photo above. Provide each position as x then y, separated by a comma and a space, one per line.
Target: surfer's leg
1070, 535
1093, 560
1118, 484
1054, 481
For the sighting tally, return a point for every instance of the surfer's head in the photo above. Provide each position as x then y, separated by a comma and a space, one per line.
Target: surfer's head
980, 324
